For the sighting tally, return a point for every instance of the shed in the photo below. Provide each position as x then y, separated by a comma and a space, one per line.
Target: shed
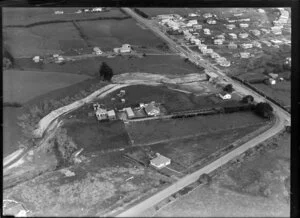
129, 112
206, 31
125, 48
111, 115
160, 161
36, 59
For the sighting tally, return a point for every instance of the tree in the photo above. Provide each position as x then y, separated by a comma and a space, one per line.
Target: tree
106, 73
228, 88
248, 99
264, 109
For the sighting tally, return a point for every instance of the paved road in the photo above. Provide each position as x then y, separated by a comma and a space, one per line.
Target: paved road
282, 118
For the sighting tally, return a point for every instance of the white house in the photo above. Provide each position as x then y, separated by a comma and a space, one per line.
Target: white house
58, 12
232, 45
101, 114
270, 81
192, 15
255, 32
129, 112
206, 31
125, 48
207, 15
151, 109
244, 25
261, 10
230, 26
36, 59
218, 42
246, 45
245, 54
243, 35
225, 64
111, 115
232, 35
96, 9
160, 161
225, 95
211, 21
214, 55
97, 51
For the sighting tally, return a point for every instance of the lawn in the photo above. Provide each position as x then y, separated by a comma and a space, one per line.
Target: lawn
154, 131
259, 187
22, 86
280, 92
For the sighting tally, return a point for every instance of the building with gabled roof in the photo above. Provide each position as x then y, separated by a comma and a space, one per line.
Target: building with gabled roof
160, 161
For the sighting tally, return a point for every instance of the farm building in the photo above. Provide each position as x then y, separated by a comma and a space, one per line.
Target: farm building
151, 109
160, 161
111, 115
101, 114
225, 95
129, 112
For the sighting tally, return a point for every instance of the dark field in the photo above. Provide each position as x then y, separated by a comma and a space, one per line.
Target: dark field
25, 16
94, 136
154, 131
188, 151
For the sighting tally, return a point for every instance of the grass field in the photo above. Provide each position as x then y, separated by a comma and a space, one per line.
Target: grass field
93, 136
24, 16
155, 130
281, 91
165, 64
259, 187
21, 86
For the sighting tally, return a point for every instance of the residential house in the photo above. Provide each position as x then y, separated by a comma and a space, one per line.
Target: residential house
206, 31
261, 10
214, 55
244, 25
245, 54
218, 42
232, 45
101, 114
97, 51
273, 75
36, 59
125, 48
243, 35
160, 161
255, 32
246, 45
232, 35
211, 21
207, 15
224, 95
256, 44
151, 109
270, 81
230, 26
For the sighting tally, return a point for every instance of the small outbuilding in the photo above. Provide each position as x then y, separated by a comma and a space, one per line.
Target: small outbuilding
111, 115
225, 95
151, 109
160, 161
129, 112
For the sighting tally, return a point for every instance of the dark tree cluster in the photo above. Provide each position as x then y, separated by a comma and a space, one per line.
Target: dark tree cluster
264, 109
228, 88
106, 73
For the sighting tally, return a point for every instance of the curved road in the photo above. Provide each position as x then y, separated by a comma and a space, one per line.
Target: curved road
282, 119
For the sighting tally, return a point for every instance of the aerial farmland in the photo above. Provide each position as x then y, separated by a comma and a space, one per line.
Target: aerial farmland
114, 112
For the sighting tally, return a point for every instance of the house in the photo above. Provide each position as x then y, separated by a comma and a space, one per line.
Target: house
277, 30
58, 12
256, 44
97, 51
245, 54
211, 74
211, 21
122, 100
218, 42
244, 25
116, 50
265, 31
214, 55
246, 45
232, 35
125, 48
261, 10
221, 36
151, 109
225, 63
129, 112
255, 32
232, 45
36, 59
192, 15
202, 46
101, 114
207, 15
191, 23
243, 35
97, 10
230, 26
160, 161
206, 31
111, 115
209, 51
225, 95
197, 26
122, 92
